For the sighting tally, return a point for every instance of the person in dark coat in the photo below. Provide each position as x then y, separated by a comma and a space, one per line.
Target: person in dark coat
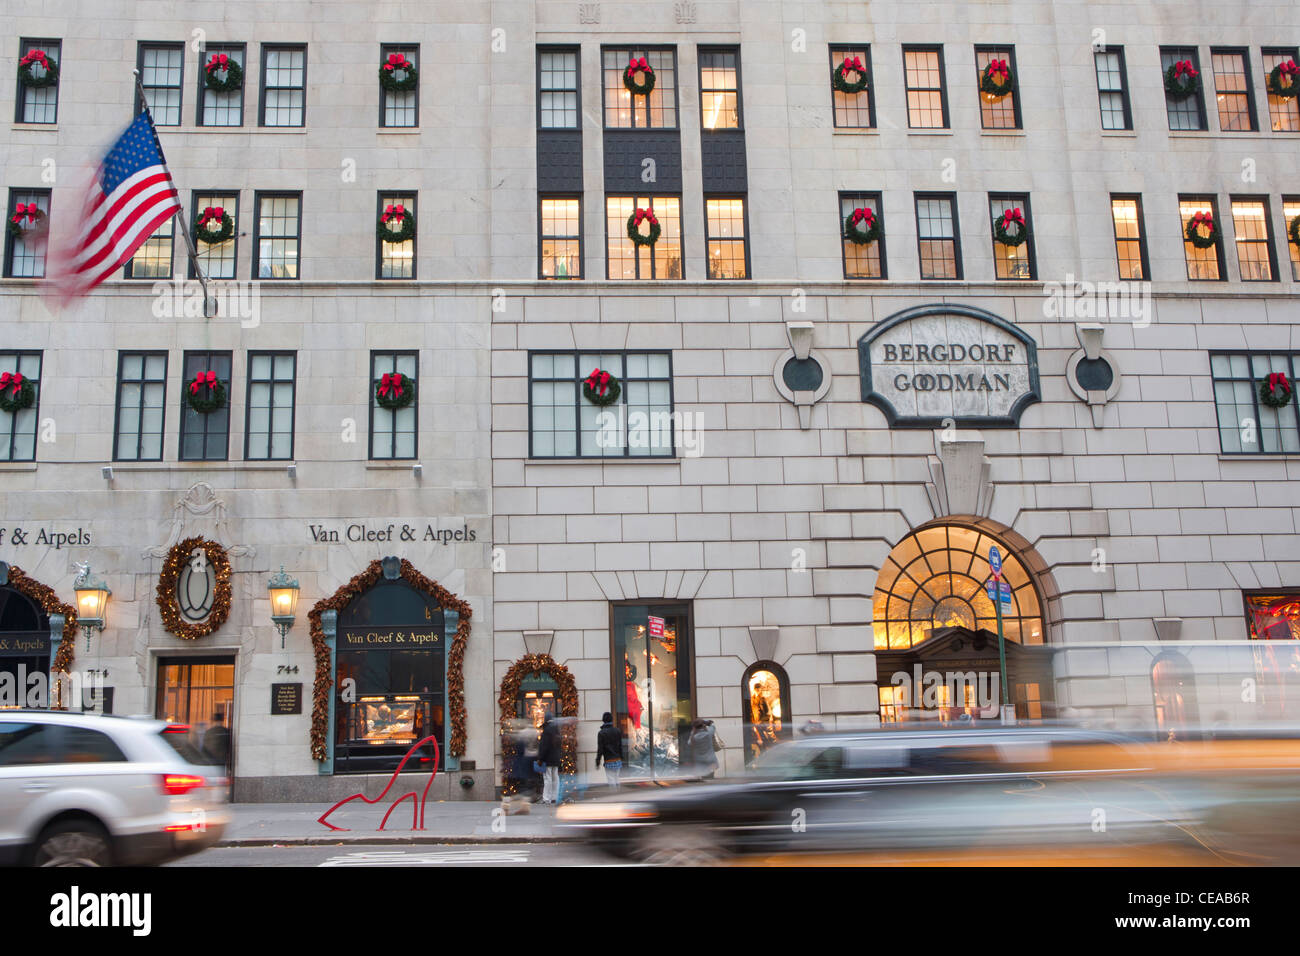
549, 751
609, 748
700, 745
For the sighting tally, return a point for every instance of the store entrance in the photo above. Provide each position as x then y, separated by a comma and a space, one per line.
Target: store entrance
200, 692
24, 651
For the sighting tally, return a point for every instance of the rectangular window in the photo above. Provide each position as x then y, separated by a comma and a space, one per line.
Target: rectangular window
1130, 236
271, 380
25, 245
1012, 262
1248, 425
39, 104
1202, 263
284, 86
400, 108
218, 259
1283, 112
277, 235
725, 238
998, 111
18, 428
853, 110
204, 435
395, 260
626, 259
1253, 232
559, 248
161, 67
1233, 93
558, 86
937, 237
863, 261
141, 401
563, 423
221, 109
651, 681
720, 88
1185, 112
927, 104
623, 109
153, 260
1290, 211
393, 430
1112, 88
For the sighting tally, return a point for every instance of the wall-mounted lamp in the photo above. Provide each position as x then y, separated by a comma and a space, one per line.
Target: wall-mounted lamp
92, 600
284, 602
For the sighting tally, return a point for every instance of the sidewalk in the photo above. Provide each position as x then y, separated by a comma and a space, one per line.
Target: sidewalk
460, 821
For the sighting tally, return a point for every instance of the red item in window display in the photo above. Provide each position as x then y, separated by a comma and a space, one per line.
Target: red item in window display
16, 392
1182, 80
634, 227
862, 227
214, 225
396, 224
1284, 79
850, 76
1275, 391
995, 80
395, 390
25, 211
601, 388
397, 74
206, 393
222, 74
1011, 229
45, 62
634, 706
1201, 231
639, 77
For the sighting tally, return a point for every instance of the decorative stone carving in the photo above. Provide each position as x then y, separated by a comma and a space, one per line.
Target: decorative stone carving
684, 11
801, 374
959, 475
589, 13
199, 502
539, 642
764, 640
1092, 373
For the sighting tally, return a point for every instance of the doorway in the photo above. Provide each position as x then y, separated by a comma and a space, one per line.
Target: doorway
200, 692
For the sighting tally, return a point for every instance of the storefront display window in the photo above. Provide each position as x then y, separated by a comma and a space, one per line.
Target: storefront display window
1273, 619
652, 684
765, 703
24, 651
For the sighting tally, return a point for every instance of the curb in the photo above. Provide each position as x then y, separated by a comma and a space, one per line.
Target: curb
387, 841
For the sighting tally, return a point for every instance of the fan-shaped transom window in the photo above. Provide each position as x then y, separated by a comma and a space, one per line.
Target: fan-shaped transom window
935, 578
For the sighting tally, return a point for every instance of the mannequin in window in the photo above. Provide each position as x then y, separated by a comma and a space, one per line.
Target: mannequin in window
634, 706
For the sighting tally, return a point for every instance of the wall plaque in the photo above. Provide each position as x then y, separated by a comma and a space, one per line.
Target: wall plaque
940, 362
286, 699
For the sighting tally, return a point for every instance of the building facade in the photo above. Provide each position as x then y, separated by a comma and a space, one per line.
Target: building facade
878, 288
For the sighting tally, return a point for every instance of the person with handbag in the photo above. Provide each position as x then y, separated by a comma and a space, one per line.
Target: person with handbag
703, 745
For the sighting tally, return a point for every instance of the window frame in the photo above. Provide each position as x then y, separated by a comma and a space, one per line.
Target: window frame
11, 240
943, 84
744, 240
878, 196
837, 53
1136, 198
1244, 53
191, 272
414, 210
681, 225
576, 53
384, 50
140, 104
18, 355
372, 381
1290, 53
1021, 200
273, 354
1268, 241
622, 402
128, 269
1293, 406
668, 608
951, 197
542, 198
1220, 255
262, 87
734, 50
145, 354
258, 196
1118, 51
38, 43
993, 51
203, 92
230, 392
1194, 55
1292, 250
648, 49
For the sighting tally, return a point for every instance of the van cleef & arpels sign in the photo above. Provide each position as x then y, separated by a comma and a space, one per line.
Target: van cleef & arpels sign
932, 364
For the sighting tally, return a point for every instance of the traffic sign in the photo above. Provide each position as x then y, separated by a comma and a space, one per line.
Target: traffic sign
656, 627
1005, 590
992, 588
995, 560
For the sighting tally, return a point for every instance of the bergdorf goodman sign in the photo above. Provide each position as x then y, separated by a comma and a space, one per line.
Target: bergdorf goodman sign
933, 363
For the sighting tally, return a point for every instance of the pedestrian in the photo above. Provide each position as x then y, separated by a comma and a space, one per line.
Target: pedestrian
700, 744
609, 747
549, 751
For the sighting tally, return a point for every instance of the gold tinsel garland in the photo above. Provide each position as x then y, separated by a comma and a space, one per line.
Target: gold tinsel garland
169, 606
344, 596
544, 663
49, 601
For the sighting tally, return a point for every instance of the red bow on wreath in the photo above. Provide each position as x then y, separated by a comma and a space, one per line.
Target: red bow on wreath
1185, 67
640, 64
1202, 219
30, 210
210, 213
219, 61
35, 56
851, 64
393, 212
644, 214
1013, 215
864, 216
1288, 68
11, 378
999, 68
393, 381
210, 378
1276, 380
598, 381
396, 62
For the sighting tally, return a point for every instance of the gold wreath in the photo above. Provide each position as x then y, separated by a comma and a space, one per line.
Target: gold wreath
544, 663
168, 605
44, 595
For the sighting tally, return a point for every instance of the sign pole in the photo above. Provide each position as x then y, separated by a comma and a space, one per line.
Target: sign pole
1002, 662
650, 698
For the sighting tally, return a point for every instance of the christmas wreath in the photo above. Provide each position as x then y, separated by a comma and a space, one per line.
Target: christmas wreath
182, 553
840, 76
1182, 80
397, 63
639, 77
214, 225
1011, 230
46, 62
29, 211
398, 216
1275, 391
222, 63
1293, 230
862, 227
601, 388
395, 391
1284, 80
16, 392
206, 393
995, 81
1201, 231
634, 227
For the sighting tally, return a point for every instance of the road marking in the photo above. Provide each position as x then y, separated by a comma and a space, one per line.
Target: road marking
439, 858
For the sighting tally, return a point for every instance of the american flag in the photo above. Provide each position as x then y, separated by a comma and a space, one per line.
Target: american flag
131, 195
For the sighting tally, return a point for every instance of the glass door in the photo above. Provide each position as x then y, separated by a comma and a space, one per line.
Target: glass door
653, 688
200, 692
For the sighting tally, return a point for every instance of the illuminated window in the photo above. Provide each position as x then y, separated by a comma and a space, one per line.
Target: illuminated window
862, 261
277, 235
1112, 88
221, 109
1290, 211
25, 246
396, 260
728, 249
765, 707
934, 580
627, 260
39, 104
658, 109
936, 236
1173, 690
1002, 112
1283, 113
1253, 234
557, 88
719, 88
927, 107
153, 260
218, 259
853, 110
1272, 615
161, 67
1233, 91
1130, 237
1207, 263
1246, 424
893, 703
650, 668
1012, 262
1028, 701
1185, 112
560, 242
400, 108
284, 85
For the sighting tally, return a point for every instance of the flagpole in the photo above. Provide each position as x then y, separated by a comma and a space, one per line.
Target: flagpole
180, 210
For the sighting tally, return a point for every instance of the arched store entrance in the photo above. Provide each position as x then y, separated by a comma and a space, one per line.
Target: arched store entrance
25, 608
536, 688
764, 707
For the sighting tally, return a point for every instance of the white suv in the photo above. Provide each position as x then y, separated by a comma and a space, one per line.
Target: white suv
86, 790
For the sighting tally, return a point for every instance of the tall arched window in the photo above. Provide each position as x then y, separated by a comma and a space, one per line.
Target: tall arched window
764, 707
935, 578
1173, 685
